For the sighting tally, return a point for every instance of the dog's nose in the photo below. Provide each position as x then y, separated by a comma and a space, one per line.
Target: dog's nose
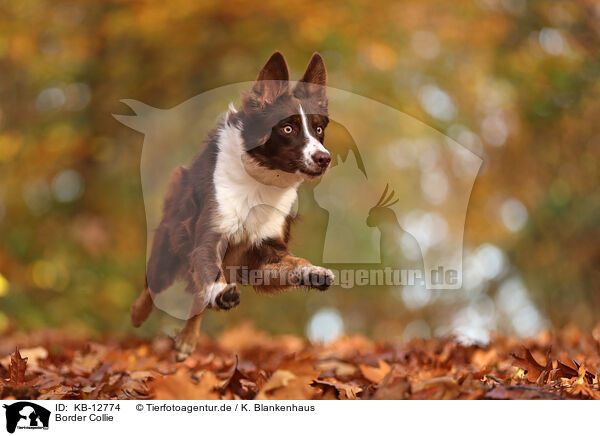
322, 158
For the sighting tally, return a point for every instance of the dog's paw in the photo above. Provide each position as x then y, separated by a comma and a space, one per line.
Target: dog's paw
185, 344
316, 277
228, 298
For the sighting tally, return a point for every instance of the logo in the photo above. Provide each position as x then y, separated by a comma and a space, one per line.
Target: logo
26, 415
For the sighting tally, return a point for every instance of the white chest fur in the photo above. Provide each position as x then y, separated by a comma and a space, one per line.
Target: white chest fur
247, 209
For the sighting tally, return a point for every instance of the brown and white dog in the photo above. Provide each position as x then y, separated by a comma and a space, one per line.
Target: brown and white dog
231, 208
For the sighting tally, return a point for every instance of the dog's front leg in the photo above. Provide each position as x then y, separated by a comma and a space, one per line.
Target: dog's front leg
209, 280
291, 272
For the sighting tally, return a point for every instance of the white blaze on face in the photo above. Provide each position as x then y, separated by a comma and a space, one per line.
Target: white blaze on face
312, 144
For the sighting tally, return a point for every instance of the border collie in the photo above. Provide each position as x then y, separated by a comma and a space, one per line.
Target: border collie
231, 208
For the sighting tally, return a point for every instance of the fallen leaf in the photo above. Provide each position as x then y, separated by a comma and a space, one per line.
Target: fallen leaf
16, 370
339, 368
485, 358
531, 366
180, 386
239, 384
280, 378
346, 391
375, 375
439, 388
141, 375
393, 388
33, 356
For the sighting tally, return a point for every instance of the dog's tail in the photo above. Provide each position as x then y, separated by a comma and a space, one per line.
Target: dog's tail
142, 307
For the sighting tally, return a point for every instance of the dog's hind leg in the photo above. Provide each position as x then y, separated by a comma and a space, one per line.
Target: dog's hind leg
160, 274
220, 296
187, 339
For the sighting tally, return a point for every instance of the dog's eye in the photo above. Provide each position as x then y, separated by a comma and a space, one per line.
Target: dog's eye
319, 130
287, 129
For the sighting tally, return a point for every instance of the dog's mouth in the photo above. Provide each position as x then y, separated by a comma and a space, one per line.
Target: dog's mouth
311, 173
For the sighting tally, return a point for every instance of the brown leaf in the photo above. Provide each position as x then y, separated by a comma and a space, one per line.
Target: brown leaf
287, 386
16, 370
239, 384
483, 359
48, 380
529, 364
141, 375
180, 386
280, 379
298, 388
375, 375
581, 387
346, 391
58, 393
242, 337
567, 371
33, 356
337, 367
438, 388
128, 388
84, 364
499, 392
393, 388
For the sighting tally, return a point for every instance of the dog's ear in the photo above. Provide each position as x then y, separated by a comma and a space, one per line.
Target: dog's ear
315, 71
273, 79
313, 82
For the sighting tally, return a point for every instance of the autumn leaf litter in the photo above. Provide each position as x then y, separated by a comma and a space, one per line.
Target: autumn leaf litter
244, 363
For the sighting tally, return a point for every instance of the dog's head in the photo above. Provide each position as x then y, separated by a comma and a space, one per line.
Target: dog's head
283, 127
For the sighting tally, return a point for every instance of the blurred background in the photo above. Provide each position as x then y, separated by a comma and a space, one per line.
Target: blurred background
514, 81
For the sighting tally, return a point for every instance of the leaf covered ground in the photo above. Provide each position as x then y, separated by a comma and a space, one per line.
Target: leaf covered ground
244, 363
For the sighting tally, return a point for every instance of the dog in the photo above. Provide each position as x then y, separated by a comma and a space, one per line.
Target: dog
227, 216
